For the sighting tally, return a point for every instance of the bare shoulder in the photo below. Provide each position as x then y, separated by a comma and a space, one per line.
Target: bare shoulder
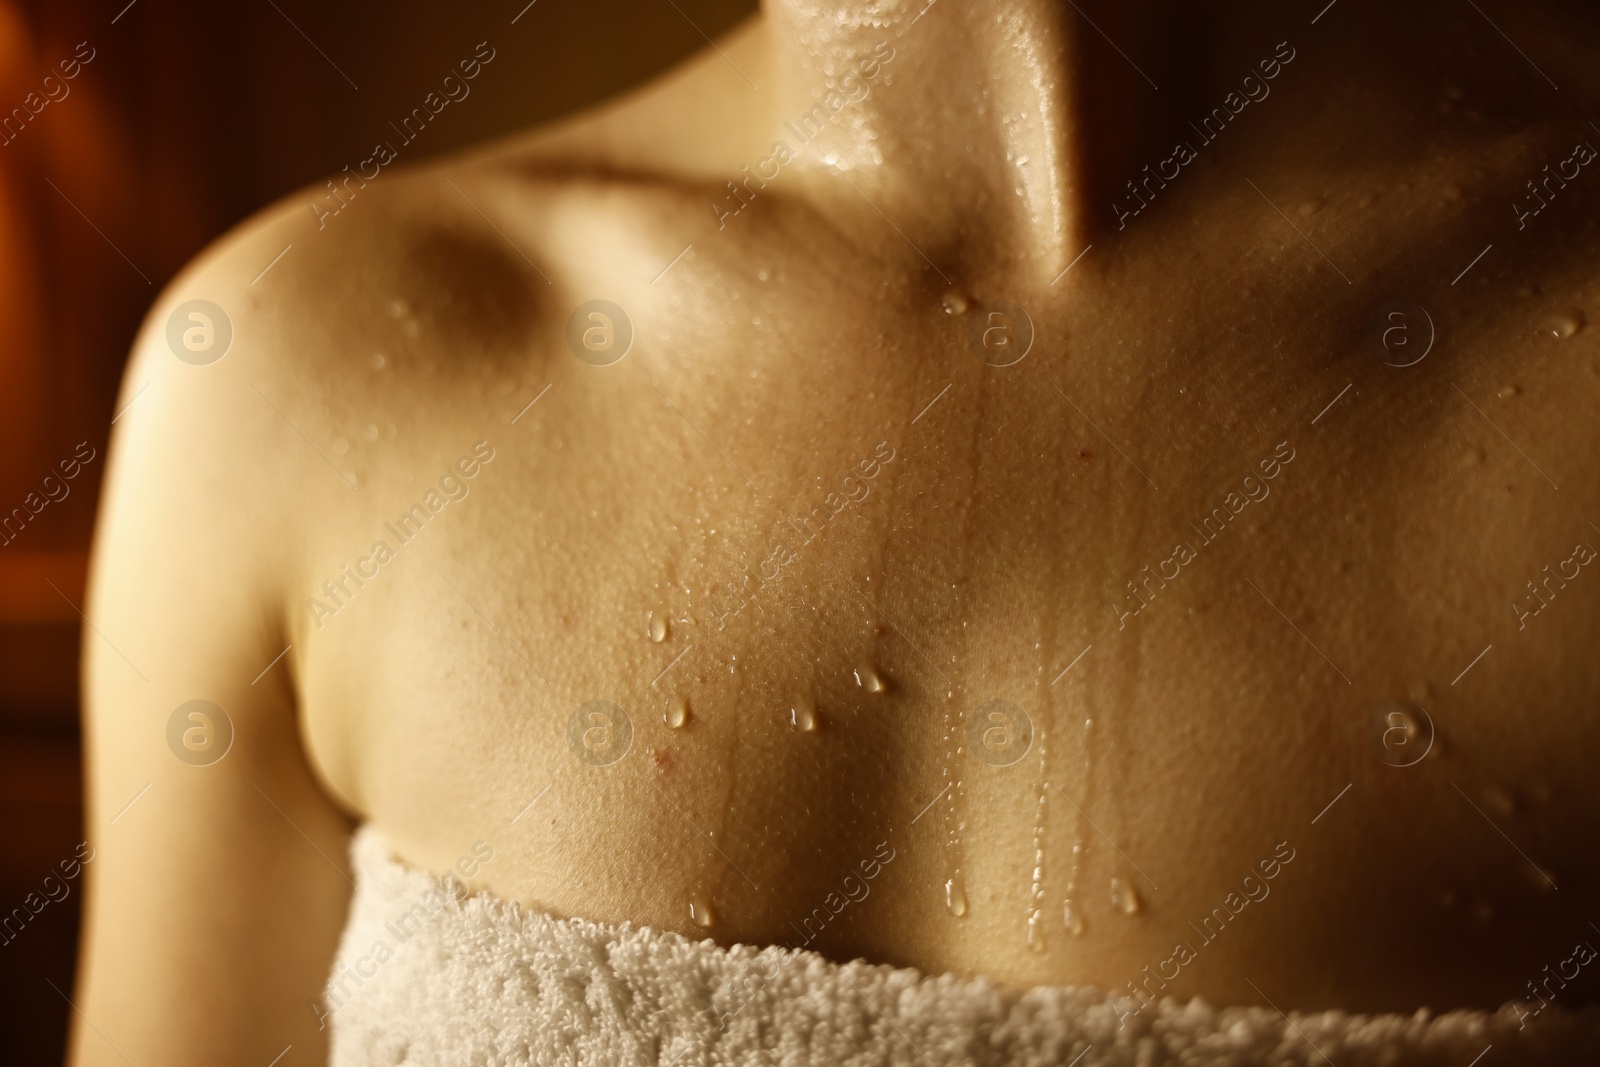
469, 247
196, 768
301, 317
333, 318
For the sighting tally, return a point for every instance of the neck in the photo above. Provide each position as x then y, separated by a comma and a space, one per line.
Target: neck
985, 135
1002, 133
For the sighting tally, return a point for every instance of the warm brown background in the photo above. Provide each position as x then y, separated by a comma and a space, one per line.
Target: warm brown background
191, 115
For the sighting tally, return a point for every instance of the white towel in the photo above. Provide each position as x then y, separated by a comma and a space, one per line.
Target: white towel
428, 974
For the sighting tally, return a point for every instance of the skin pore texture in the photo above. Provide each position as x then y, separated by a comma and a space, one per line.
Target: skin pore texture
1263, 597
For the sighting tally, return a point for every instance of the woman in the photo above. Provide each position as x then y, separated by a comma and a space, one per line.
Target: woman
1061, 497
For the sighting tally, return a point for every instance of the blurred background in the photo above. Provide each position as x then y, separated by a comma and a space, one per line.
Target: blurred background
182, 118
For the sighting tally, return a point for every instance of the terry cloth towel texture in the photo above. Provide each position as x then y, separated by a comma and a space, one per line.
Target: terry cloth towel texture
428, 974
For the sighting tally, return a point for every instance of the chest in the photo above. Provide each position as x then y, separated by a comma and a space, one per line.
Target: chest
757, 591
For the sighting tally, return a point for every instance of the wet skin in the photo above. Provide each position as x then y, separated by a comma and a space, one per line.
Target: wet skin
1304, 691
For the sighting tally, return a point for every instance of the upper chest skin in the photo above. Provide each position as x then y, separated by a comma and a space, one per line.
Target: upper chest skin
806, 468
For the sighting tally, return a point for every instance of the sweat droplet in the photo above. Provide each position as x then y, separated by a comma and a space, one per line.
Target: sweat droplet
1124, 897
955, 896
657, 628
1404, 733
803, 714
1072, 918
955, 304
1036, 931
700, 911
677, 713
1564, 326
870, 680
1506, 392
